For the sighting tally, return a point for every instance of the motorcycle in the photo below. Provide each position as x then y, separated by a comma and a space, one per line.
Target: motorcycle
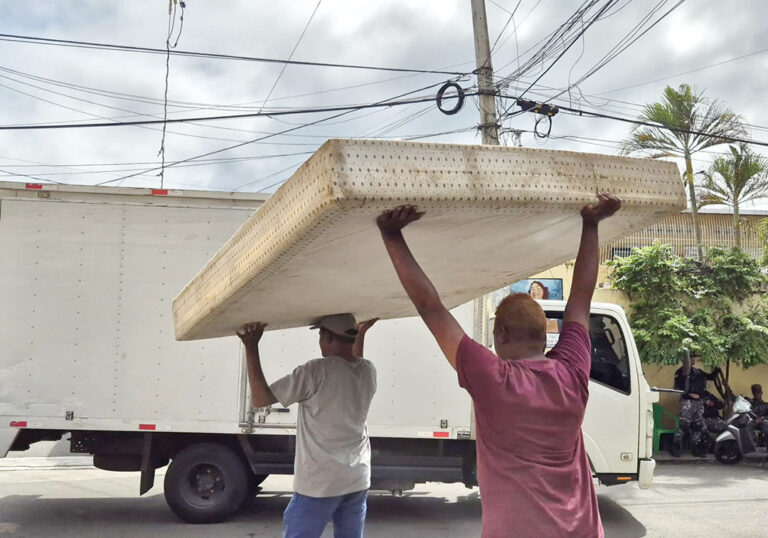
740, 437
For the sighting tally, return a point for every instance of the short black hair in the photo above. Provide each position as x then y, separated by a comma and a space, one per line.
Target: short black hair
757, 387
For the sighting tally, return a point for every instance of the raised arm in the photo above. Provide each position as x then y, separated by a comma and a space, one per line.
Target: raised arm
711, 376
588, 259
261, 394
362, 328
420, 290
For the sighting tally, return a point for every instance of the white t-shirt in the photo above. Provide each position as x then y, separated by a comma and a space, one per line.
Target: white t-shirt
333, 452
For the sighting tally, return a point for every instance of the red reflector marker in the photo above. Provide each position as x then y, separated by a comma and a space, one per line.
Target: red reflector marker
150, 427
441, 434
37, 186
160, 192
18, 424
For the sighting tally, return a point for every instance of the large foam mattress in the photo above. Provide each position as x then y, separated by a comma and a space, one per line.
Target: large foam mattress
493, 215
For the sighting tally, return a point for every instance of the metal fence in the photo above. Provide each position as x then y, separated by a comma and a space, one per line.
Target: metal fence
716, 230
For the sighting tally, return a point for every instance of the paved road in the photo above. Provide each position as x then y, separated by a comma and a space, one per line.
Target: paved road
37, 500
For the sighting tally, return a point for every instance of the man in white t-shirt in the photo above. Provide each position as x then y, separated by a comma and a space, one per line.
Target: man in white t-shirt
332, 467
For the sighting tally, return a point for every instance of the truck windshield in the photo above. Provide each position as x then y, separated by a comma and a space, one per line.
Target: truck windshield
610, 360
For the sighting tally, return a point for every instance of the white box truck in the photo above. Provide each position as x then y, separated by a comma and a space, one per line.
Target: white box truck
87, 276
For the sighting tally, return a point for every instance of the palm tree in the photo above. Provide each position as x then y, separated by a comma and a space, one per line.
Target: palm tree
734, 180
680, 112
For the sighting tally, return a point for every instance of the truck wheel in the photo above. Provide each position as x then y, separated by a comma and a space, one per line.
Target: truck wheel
727, 452
206, 483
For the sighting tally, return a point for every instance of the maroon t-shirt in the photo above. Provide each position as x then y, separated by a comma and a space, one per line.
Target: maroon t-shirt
532, 468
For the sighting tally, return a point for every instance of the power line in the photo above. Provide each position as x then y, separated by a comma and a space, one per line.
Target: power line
613, 53
30, 177
290, 56
259, 139
148, 50
168, 47
592, 114
594, 19
509, 20
381, 104
80, 111
515, 30
195, 105
549, 44
187, 165
761, 51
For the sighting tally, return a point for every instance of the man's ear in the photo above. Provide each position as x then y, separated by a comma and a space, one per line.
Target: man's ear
501, 334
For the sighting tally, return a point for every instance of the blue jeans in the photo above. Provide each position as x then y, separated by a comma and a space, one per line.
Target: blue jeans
306, 517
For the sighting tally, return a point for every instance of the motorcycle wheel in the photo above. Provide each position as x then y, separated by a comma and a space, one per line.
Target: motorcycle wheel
727, 452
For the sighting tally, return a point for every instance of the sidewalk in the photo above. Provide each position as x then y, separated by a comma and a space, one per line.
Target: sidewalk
686, 457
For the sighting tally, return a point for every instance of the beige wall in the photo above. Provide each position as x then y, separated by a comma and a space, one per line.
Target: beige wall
659, 376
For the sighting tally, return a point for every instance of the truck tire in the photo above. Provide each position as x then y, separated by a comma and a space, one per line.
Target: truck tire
206, 483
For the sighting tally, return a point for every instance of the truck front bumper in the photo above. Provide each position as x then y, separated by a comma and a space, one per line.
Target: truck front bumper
645, 473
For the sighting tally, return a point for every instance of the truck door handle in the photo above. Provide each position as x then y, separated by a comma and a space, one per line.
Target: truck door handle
282, 410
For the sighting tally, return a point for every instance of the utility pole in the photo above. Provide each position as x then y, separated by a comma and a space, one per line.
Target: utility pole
488, 121
488, 124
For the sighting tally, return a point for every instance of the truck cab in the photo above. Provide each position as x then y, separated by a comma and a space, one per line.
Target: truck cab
618, 425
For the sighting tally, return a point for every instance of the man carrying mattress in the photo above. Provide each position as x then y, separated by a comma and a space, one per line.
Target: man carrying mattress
533, 471
332, 466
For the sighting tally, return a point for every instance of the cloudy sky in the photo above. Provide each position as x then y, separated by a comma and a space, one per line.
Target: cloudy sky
43, 84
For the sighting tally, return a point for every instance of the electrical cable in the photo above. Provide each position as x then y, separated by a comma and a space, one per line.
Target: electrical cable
259, 139
584, 29
592, 114
171, 25
30, 177
509, 20
80, 111
614, 53
126, 48
290, 56
187, 165
761, 51
293, 112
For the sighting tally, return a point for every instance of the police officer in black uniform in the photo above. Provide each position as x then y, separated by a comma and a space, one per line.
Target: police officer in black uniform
692, 409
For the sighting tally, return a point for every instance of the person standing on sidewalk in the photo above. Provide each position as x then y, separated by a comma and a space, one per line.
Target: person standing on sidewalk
532, 467
332, 466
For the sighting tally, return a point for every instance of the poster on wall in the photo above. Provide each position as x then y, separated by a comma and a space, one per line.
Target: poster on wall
541, 288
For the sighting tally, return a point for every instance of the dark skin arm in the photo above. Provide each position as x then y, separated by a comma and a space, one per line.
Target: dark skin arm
362, 328
420, 290
261, 394
711, 376
588, 259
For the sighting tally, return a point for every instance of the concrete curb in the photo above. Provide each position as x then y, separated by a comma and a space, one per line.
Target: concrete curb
39, 463
684, 460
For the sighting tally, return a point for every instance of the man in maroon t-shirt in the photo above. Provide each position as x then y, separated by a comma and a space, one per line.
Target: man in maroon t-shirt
532, 468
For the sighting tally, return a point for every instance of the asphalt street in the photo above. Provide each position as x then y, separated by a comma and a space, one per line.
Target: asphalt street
38, 499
